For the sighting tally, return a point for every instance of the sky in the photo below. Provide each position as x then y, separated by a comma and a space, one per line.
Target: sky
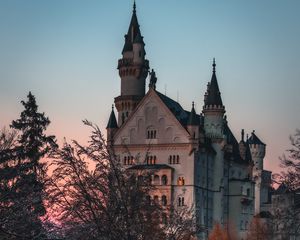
66, 51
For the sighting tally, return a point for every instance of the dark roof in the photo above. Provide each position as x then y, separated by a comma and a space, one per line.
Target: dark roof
112, 122
150, 167
193, 119
254, 140
281, 189
213, 95
181, 115
235, 154
133, 32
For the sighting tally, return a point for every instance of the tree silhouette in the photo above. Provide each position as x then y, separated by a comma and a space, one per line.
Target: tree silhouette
22, 175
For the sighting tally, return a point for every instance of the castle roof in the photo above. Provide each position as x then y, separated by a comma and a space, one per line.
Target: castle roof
213, 95
112, 122
253, 139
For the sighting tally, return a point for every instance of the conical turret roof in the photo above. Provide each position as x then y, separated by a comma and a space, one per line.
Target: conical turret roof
112, 122
133, 32
193, 118
213, 95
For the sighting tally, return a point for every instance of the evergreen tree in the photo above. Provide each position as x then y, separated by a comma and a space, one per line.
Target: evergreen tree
22, 175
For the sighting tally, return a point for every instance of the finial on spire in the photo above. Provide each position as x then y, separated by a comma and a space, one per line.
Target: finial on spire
214, 65
134, 6
193, 104
112, 107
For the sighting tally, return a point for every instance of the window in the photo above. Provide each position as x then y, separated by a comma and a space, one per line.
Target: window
181, 201
164, 218
174, 159
156, 180
140, 179
180, 181
156, 199
164, 180
151, 160
151, 134
164, 200
248, 192
128, 160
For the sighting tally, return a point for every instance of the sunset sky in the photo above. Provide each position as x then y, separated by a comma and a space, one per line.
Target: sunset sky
66, 53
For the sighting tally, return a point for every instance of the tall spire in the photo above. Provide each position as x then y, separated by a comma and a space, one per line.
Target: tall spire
213, 95
133, 31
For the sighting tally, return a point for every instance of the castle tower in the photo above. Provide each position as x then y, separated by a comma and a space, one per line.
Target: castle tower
258, 151
213, 108
133, 70
213, 111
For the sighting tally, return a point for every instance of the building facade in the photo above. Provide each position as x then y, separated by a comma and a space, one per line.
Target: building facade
197, 160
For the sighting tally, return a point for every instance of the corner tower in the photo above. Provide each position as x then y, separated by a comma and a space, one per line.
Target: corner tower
133, 70
213, 108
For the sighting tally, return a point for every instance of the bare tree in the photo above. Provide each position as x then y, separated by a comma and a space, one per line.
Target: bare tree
286, 201
94, 197
259, 230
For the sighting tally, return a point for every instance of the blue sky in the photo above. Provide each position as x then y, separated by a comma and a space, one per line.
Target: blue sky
66, 52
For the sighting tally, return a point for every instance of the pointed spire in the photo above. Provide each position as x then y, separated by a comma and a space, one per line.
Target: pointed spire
112, 122
213, 96
193, 118
133, 31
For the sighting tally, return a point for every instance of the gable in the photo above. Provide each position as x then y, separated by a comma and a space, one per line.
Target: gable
151, 123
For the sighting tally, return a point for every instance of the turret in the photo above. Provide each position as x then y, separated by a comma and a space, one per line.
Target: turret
133, 70
193, 124
111, 127
258, 151
213, 108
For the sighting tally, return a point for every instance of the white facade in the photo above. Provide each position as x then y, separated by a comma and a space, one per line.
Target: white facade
205, 166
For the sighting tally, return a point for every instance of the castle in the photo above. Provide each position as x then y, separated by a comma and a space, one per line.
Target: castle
197, 160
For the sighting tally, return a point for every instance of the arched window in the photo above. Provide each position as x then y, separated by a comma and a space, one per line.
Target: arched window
140, 179
177, 159
156, 200
154, 160
164, 218
170, 159
148, 200
125, 160
173, 159
156, 180
164, 200
164, 180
